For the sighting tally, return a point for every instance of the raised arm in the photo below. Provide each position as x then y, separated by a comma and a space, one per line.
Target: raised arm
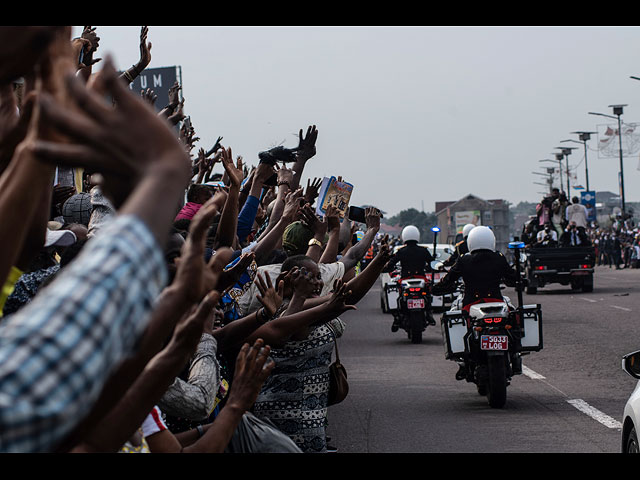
355, 253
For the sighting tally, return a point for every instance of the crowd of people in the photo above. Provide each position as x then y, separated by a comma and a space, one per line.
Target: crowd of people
154, 299
560, 223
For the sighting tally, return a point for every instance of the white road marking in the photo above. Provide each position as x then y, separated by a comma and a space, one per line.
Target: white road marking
594, 413
581, 405
531, 374
621, 308
587, 299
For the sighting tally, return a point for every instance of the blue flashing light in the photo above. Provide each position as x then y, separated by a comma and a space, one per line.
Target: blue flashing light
435, 229
515, 245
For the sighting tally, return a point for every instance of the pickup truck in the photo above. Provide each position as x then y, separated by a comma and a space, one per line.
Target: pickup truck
564, 265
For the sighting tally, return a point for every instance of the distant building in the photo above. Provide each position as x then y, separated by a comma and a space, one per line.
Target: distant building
453, 216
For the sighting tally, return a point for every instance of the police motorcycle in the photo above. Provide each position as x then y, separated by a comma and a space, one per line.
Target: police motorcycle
490, 338
409, 298
415, 310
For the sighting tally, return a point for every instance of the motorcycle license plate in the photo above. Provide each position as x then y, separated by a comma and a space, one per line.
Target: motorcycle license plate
494, 342
415, 303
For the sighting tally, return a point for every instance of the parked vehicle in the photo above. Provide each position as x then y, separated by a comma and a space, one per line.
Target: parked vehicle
631, 416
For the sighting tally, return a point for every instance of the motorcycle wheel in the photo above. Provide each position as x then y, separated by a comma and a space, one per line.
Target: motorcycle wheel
416, 320
497, 391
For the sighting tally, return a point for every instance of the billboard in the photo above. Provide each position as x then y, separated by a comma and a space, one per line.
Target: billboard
469, 216
160, 80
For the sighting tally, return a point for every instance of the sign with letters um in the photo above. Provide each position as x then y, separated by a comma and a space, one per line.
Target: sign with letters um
160, 80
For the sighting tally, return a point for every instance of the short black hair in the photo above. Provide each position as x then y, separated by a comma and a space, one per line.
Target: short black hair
295, 261
198, 192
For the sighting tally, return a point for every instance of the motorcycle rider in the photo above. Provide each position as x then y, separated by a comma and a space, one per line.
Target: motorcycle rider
482, 270
461, 246
414, 261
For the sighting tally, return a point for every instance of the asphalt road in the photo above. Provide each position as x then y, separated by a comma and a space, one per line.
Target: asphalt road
404, 398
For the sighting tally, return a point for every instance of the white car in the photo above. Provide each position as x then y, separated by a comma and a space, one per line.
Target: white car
388, 299
631, 417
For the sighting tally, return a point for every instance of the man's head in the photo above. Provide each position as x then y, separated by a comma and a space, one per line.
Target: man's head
575, 200
555, 193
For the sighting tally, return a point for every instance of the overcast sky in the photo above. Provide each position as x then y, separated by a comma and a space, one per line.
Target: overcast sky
409, 115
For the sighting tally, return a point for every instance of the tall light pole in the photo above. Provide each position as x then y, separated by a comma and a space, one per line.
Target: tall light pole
566, 151
549, 180
583, 136
557, 160
617, 111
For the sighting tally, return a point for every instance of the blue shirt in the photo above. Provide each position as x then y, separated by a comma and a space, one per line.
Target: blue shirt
57, 352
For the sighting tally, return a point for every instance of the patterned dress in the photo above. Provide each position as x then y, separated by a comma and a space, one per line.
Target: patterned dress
294, 397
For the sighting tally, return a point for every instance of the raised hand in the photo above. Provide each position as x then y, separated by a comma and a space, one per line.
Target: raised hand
124, 144
21, 47
285, 176
234, 172
174, 96
310, 219
307, 145
149, 96
332, 217
291, 205
253, 366
93, 41
339, 296
372, 218
145, 50
270, 298
311, 193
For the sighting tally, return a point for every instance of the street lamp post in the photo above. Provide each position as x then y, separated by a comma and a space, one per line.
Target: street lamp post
617, 111
583, 136
566, 151
559, 160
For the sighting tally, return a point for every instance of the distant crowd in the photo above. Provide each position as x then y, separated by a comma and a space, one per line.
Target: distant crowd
560, 223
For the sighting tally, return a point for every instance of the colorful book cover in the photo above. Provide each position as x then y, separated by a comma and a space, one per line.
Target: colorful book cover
336, 193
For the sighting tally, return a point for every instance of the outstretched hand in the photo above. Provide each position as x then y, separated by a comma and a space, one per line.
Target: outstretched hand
270, 298
253, 366
124, 144
307, 145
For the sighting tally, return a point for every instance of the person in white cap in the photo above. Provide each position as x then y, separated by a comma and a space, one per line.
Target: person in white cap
461, 246
414, 261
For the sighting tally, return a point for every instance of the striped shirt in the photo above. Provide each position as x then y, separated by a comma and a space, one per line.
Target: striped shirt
58, 351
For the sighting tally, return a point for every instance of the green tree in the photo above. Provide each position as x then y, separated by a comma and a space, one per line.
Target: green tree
423, 220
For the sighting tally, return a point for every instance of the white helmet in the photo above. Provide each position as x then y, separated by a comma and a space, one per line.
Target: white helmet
410, 232
467, 228
481, 238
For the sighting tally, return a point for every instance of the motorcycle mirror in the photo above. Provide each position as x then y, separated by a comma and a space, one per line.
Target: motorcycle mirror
631, 364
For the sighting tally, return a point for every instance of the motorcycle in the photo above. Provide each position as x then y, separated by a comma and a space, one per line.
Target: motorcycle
489, 338
414, 306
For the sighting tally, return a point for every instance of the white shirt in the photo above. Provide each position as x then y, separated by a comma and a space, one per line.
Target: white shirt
577, 213
552, 233
248, 303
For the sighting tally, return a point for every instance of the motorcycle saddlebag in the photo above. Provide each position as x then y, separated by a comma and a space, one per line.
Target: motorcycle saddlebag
532, 328
454, 329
